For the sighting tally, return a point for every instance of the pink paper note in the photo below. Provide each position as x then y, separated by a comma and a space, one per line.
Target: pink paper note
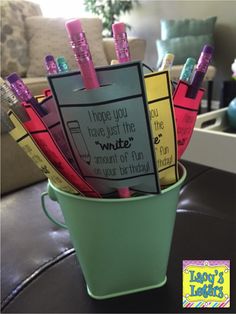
54, 125
186, 110
43, 138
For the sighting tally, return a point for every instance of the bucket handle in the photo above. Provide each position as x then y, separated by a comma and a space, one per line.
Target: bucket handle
46, 212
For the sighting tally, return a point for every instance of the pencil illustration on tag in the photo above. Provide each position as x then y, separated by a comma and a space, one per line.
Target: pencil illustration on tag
79, 140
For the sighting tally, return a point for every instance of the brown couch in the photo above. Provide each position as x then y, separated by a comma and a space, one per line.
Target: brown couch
41, 274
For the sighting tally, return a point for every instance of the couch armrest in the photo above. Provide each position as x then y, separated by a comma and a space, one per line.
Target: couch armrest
17, 169
137, 48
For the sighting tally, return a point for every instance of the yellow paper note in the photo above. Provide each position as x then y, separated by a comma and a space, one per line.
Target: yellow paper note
40, 98
161, 113
27, 143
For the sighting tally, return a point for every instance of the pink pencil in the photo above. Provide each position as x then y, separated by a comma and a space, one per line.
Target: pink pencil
82, 53
123, 55
83, 57
121, 42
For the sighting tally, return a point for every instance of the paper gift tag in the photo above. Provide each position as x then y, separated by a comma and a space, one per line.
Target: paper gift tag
108, 127
46, 93
186, 110
43, 138
27, 143
39, 98
161, 112
55, 127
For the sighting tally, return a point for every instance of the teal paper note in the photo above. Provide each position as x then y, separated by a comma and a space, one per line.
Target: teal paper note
108, 128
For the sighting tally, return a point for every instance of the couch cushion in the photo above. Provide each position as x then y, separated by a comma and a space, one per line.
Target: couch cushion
182, 47
185, 38
49, 36
14, 48
180, 28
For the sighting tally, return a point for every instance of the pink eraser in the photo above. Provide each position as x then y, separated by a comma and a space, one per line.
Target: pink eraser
118, 28
124, 192
73, 27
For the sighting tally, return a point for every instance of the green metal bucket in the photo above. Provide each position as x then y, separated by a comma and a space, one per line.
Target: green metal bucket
122, 245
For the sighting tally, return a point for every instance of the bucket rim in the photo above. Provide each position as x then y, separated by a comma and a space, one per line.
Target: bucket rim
183, 172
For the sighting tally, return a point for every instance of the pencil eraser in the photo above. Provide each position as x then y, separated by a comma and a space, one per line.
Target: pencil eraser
114, 61
73, 27
208, 49
49, 58
12, 78
124, 192
118, 27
